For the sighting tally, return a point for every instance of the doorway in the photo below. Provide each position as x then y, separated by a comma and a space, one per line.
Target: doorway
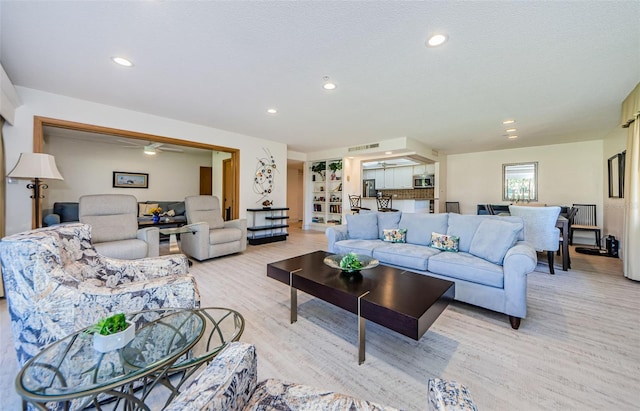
111, 133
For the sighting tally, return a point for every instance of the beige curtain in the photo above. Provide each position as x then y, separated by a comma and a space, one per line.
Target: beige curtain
2, 197
631, 237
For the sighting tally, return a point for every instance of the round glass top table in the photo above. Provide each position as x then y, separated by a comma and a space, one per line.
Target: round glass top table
167, 342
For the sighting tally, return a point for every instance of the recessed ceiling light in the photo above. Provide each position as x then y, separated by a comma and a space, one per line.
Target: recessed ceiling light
510, 130
512, 137
508, 122
436, 40
272, 111
388, 152
122, 61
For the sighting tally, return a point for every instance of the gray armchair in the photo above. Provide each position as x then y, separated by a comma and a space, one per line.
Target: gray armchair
212, 237
114, 227
56, 283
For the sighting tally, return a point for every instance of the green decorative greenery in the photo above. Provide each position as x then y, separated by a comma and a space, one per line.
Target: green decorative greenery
336, 165
319, 167
110, 325
350, 262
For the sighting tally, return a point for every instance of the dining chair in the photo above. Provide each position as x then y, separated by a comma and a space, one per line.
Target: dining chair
452, 207
569, 215
355, 202
585, 220
385, 203
489, 209
540, 228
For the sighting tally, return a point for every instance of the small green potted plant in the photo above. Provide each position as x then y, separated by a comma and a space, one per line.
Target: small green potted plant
112, 333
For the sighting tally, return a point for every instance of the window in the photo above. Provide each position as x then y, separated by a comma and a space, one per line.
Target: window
520, 182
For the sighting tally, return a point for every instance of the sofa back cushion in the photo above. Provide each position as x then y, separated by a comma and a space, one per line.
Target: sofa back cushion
494, 238
112, 217
204, 209
68, 212
387, 221
363, 226
420, 226
463, 227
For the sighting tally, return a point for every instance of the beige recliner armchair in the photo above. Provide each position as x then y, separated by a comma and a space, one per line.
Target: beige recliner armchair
212, 237
114, 227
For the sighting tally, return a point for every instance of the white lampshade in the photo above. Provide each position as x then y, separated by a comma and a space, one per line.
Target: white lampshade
36, 165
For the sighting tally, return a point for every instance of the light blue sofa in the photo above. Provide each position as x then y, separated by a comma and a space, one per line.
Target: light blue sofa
489, 270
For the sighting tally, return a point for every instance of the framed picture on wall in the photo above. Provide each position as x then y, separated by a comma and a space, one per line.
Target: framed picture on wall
124, 179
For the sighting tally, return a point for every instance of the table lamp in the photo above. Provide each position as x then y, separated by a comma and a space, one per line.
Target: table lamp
34, 166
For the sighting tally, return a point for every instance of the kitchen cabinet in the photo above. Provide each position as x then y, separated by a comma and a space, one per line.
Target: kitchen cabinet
388, 178
403, 177
369, 175
379, 176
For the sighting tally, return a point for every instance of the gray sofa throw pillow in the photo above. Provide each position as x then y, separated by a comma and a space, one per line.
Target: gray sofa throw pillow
362, 226
493, 239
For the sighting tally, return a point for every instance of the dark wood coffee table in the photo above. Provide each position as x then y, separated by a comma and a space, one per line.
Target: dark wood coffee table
400, 300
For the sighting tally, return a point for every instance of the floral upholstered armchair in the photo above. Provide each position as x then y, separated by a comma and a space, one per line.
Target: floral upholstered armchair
230, 383
56, 283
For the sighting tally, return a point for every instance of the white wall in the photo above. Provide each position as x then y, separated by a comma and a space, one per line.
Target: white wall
567, 174
19, 138
87, 168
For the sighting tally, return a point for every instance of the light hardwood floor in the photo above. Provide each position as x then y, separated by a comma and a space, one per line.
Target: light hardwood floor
577, 349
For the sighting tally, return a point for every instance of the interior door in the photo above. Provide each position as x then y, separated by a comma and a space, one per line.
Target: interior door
206, 181
228, 190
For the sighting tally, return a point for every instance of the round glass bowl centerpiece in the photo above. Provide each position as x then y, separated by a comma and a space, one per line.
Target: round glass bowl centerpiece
351, 263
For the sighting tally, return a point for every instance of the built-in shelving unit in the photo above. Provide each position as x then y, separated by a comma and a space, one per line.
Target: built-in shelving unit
267, 225
326, 193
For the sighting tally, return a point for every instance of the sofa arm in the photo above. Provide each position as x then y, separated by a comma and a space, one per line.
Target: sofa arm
240, 224
151, 236
196, 244
449, 396
335, 234
227, 383
519, 261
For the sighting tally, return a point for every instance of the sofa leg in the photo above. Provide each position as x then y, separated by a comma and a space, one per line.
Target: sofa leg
515, 322
550, 258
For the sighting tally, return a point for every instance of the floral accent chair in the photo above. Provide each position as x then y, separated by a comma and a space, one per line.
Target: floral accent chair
230, 383
56, 283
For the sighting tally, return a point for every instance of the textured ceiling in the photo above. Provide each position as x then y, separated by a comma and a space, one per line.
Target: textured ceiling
561, 69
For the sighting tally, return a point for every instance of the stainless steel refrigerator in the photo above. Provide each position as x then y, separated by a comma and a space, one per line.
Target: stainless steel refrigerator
369, 188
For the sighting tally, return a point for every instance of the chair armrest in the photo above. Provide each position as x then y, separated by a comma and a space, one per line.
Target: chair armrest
196, 244
227, 383
146, 268
150, 235
449, 396
240, 224
335, 234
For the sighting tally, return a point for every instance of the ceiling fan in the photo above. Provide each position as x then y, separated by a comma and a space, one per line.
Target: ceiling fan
149, 147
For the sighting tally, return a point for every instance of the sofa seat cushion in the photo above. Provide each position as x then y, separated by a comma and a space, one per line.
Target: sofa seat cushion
365, 247
467, 267
224, 235
415, 257
274, 395
131, 249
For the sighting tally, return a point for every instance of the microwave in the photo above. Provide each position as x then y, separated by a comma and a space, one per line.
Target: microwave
423, 181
